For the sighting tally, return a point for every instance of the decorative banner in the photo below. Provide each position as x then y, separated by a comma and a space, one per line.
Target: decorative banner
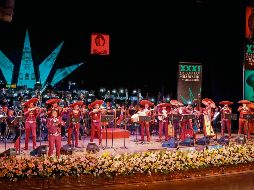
249, 45
249, 85
100, 44
189, 83
249, 22
248, 66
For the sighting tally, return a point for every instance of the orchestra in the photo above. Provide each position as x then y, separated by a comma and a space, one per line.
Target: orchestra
168, 119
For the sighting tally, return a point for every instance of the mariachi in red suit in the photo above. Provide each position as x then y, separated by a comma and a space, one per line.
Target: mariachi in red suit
54, 106
186, 124
75, 117
95, 115
163, 120
145, 124
243, 123
31, 114
54, 124
225, 123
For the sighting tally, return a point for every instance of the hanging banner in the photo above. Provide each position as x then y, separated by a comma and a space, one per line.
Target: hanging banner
248, 62
100, 44
189, 83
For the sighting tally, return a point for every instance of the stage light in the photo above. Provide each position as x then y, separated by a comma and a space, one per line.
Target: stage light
152, 100
102, 90
167, 99
189, 102
114, 91
134, 91
121, 91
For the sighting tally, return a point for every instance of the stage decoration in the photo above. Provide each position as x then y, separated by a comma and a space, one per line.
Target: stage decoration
100, 44
150, 162
189, 82
27, 77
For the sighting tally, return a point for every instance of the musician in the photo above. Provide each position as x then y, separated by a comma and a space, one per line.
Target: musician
95, 115
54, 106
74, 126
243, 123
186, 124
13, 126
120, 114
3, 123
225, 123
175, 110
54, 124
30, 114
145, 126
163, 121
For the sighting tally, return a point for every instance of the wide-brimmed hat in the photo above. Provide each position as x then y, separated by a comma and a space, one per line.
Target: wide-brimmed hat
32, 100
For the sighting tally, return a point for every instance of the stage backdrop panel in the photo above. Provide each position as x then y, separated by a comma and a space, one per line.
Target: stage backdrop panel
189, 83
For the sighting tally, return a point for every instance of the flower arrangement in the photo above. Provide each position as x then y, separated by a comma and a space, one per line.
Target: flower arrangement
125, 164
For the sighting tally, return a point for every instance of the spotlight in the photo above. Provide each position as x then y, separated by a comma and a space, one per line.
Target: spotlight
152, 100
168, 99
134, 91
121, 91
114, 91
102, 90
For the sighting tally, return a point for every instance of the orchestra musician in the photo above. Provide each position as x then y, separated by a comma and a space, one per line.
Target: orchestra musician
243, 123
54, 124
95, 115
225, 123
75, 116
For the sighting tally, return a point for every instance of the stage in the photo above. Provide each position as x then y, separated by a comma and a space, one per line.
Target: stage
116, 146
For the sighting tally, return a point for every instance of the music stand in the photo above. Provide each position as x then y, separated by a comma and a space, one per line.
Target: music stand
144, 119
248, 117
125, 122
175, 118
107, 118
19, 118
231, 116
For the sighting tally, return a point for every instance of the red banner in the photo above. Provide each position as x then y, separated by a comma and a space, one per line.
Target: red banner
249, 22
100, 44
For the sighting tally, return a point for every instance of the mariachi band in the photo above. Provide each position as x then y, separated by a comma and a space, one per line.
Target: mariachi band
172, 119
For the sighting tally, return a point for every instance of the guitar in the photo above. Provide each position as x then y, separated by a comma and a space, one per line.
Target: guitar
208, 129
162, 116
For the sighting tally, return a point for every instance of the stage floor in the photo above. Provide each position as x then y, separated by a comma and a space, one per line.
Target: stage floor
117, 146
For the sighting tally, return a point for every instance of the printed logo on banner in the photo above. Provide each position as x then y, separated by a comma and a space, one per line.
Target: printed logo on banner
100, 44
189, 82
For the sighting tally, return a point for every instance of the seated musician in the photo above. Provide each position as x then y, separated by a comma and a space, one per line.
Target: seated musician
95, 115
243, 123
145, 126
54, 124
225, 123
120, 114
13, 124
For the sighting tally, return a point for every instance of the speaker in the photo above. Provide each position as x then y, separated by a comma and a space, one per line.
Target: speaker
214, 146
41, 150
223, 140
66, 149
188, 142
203, 141
92, 147
171, 143
9, 152
241, 139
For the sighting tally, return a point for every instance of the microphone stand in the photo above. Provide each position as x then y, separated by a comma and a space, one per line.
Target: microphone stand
124, 147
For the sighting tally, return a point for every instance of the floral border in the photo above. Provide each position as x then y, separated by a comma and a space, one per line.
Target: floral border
149, 162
